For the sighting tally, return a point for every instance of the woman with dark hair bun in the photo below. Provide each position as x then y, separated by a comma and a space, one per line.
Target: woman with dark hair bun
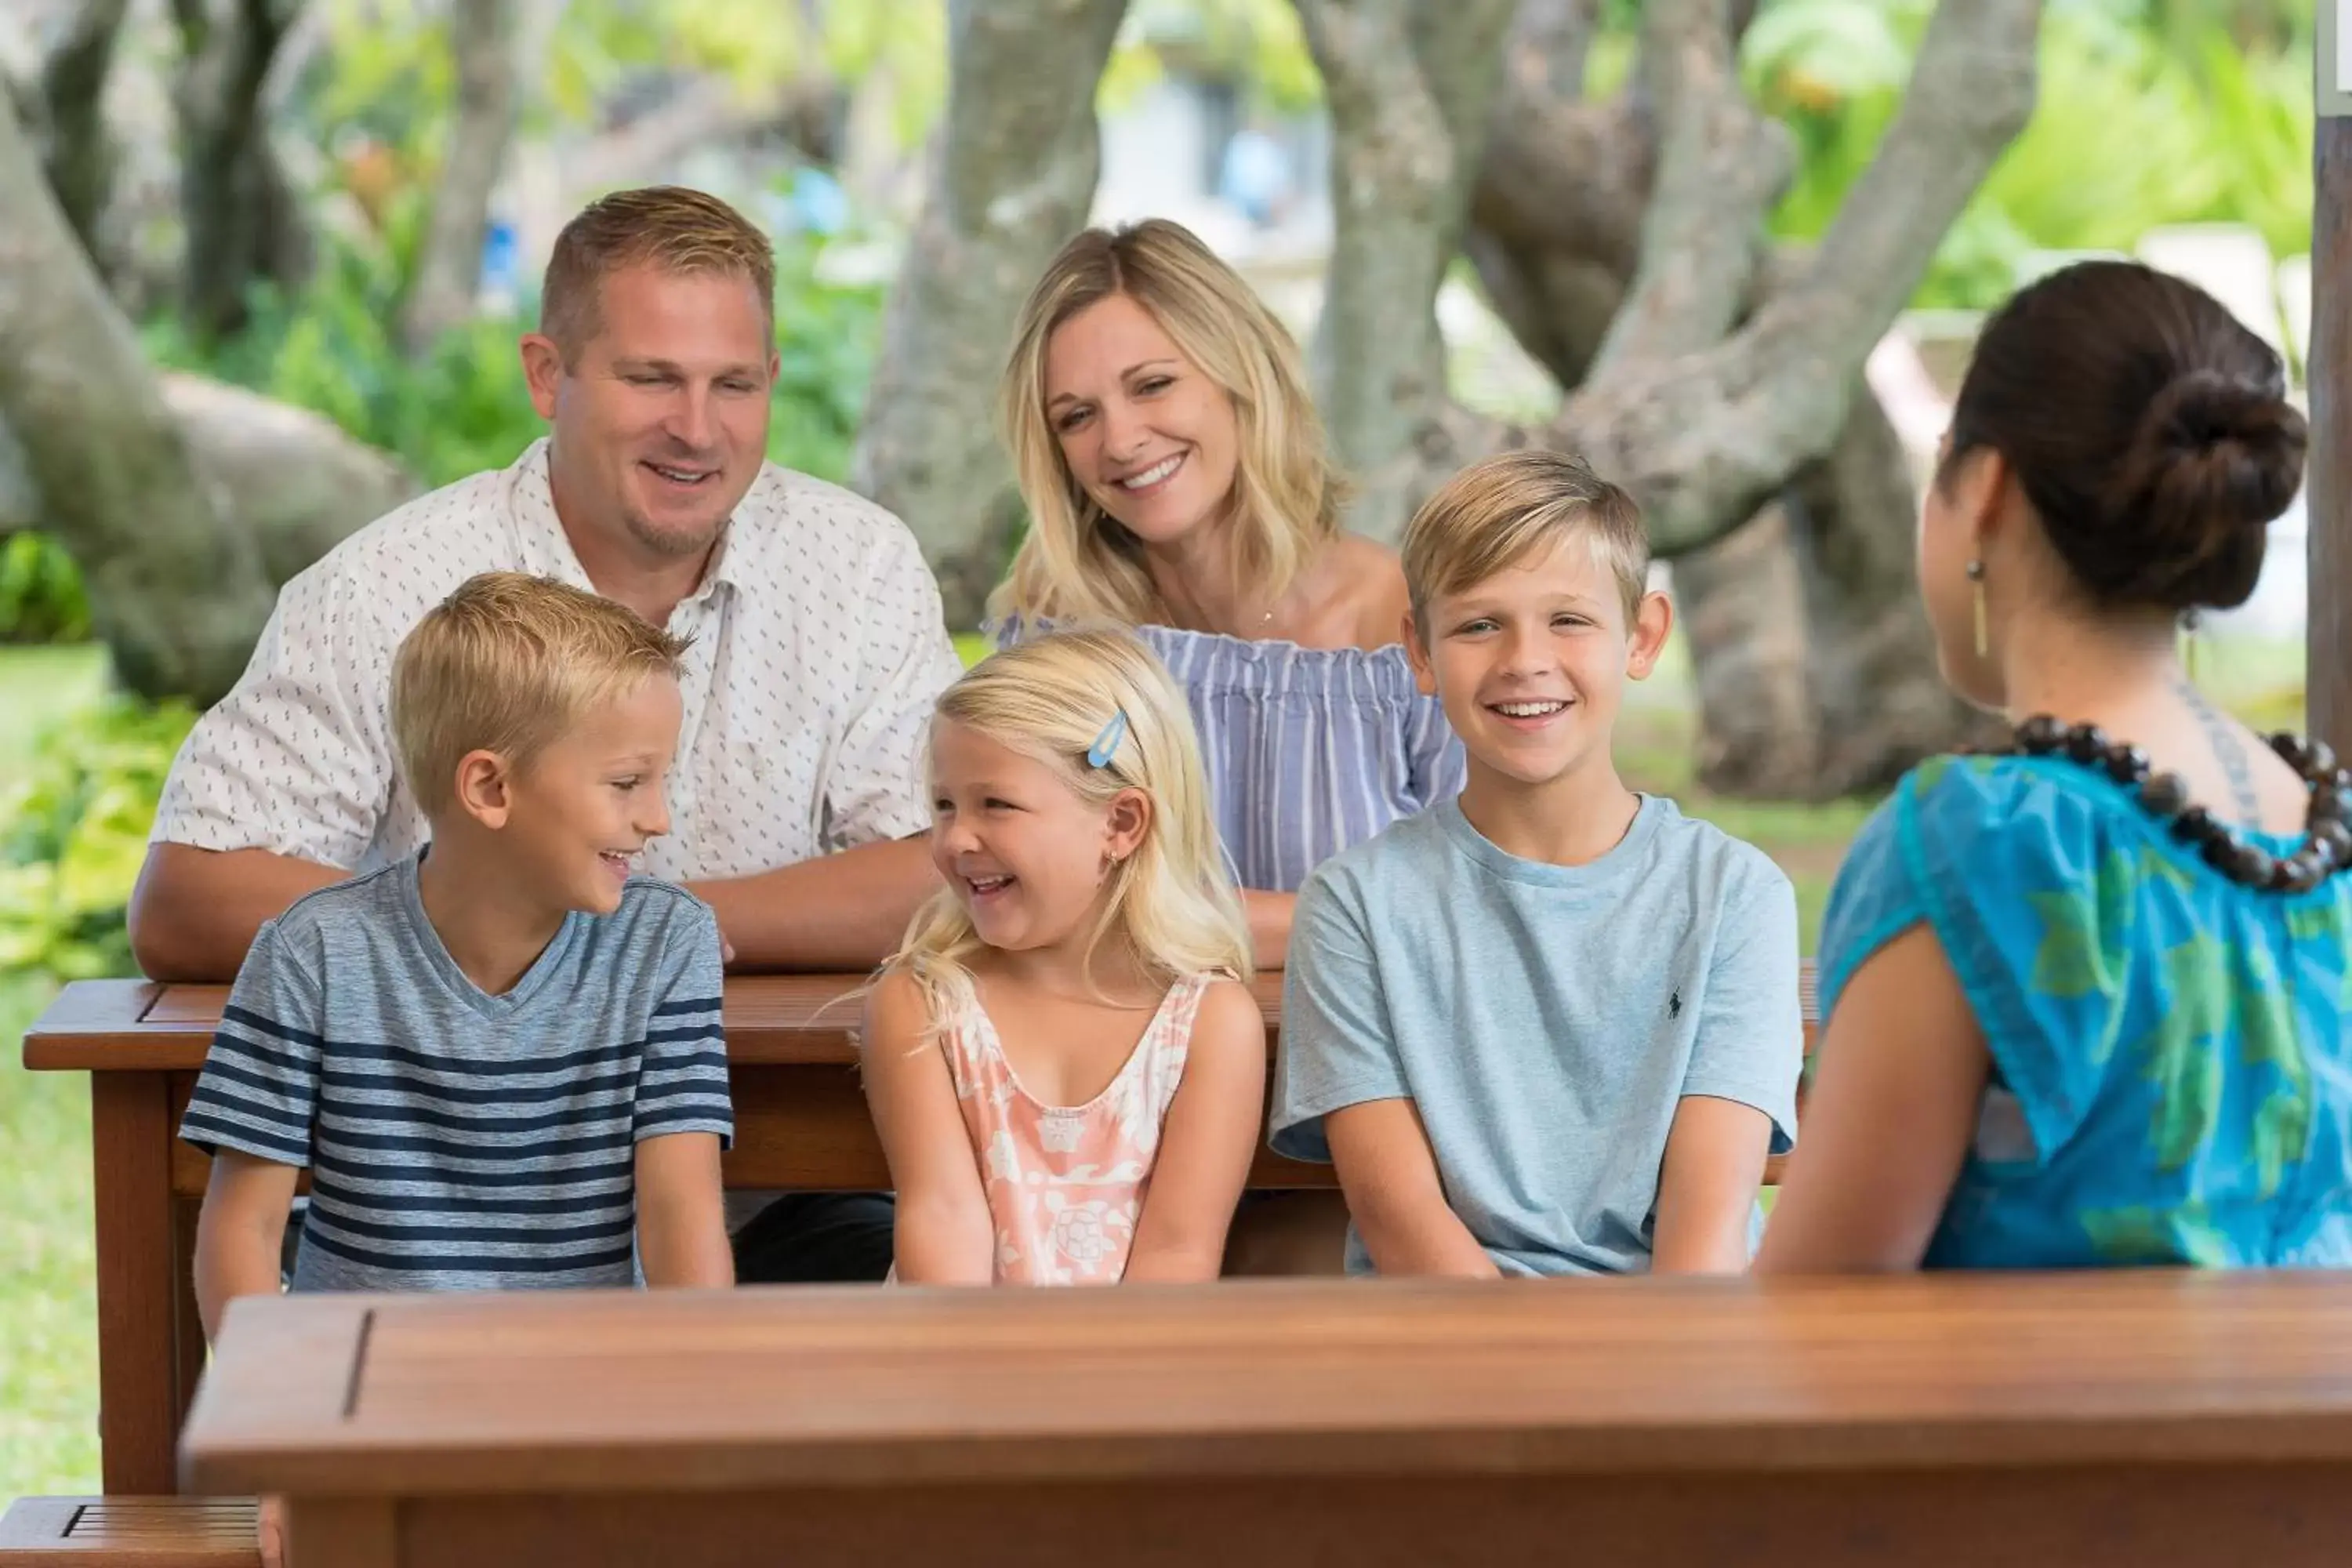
2086, 996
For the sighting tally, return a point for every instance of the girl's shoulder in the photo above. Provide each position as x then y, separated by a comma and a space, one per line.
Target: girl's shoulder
902, 1006
1219, 1002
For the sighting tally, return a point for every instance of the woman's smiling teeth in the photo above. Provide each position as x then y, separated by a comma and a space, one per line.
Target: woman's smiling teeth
983, 886
1152, 477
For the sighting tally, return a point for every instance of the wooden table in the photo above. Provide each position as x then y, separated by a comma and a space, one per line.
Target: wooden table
800, 1124
2160, 1420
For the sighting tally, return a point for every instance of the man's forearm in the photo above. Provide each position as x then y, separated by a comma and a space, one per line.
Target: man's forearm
194, 911
845, 912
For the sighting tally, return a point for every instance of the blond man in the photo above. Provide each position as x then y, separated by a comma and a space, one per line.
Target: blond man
815, 648
1552, 1027
498, 1057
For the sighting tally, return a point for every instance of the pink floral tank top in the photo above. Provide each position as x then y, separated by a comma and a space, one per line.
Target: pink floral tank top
1067, 1183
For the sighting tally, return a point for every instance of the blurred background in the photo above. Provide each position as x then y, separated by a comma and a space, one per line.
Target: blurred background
304, 235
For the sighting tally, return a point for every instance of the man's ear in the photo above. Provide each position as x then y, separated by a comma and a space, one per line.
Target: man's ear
485, 788
542, 367
1653, 622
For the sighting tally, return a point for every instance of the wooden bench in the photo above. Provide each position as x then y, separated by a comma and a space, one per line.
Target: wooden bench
2156, 1419
800, 1122
130, 1533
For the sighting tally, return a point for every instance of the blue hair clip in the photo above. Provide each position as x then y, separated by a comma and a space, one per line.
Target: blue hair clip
1106, 746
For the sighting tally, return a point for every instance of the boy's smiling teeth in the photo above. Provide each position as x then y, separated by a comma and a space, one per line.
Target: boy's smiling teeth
1528, 710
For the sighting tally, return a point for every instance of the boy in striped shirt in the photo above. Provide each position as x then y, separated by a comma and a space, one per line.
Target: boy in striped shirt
499, 1058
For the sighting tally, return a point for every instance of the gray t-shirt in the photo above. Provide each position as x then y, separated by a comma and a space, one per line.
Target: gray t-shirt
458, 1140
1546, 1021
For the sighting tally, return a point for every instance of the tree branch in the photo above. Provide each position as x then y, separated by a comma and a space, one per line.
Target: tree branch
482, 40
241, 219
1410, 85
1011, 177
1971, 91
1721, 168
78, 154
1550, 44
1703, 438
118, 486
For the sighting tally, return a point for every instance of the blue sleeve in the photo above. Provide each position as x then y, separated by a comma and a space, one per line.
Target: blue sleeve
682, 1078
1750, 1044
260, 1088
1338, 1046
2033, 882
1871, 903
1436, 765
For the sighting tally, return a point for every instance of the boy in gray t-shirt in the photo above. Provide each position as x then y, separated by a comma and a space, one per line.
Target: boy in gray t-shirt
1552, 1027
501, 1059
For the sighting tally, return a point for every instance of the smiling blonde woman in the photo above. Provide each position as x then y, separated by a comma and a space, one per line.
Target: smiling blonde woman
1177, 482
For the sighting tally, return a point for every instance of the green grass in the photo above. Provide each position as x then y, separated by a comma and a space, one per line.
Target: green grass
49, 1296
38, 688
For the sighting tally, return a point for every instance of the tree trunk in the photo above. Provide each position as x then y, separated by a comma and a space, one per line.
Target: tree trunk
243, 221
1814, 670
1410, 85
119, 489
77, 152
184, 502
482, 41
1011, 176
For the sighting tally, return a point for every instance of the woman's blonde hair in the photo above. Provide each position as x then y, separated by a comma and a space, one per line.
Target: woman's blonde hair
1055, 698
1078, 561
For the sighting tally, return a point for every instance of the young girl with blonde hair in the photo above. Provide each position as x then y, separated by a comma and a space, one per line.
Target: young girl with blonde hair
1066, 1069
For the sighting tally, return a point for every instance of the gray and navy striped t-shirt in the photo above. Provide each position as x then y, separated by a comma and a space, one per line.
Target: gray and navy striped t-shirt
457, 1140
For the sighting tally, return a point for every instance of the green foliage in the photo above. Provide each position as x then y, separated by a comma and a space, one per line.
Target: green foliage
73, 832
1255, 43
464, 406
41, 596
2147, 115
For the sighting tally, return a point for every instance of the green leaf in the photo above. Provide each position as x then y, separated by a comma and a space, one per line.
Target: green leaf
2182, 1054
2123, 1238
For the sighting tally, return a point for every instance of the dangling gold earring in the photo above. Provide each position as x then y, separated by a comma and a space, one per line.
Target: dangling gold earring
2189, 628
1976, 583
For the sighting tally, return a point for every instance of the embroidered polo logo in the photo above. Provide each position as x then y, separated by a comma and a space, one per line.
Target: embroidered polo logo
1674, 1006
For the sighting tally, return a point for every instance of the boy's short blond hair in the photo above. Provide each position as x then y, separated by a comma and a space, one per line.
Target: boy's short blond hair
1499, 512
507, 664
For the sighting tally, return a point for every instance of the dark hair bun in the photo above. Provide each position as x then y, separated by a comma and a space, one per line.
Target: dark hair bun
2147, 426
2215, 460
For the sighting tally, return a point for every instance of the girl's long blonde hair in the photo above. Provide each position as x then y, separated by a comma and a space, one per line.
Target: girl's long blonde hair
1172, 902
1077, 562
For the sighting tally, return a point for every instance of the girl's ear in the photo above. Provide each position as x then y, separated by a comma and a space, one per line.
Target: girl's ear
1126, 824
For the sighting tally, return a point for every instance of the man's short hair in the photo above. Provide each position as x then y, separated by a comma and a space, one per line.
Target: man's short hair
508, 663
666, 226
1500, 511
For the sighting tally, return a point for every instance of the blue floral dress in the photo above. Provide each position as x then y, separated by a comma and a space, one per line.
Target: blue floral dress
2171, 1073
